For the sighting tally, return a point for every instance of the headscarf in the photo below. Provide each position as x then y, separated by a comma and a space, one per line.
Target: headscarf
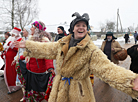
28, 29
39, 31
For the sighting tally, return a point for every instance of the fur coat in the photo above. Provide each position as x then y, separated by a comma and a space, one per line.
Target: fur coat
79, 62
117, 48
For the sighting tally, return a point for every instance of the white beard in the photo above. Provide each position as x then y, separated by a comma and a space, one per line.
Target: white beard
12, 39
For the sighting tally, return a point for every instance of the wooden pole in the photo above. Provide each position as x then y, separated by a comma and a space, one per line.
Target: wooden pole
117, 20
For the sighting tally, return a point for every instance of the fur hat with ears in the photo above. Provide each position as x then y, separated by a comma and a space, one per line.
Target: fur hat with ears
16, 31
110, 34
84, 17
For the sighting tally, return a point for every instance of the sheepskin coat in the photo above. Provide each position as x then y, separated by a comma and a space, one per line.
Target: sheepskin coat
116, 46
79, 62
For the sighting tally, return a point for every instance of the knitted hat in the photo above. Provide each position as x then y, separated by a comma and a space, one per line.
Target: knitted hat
84, 17
110, 34
16, 31
28, 29
61, 27
39, 25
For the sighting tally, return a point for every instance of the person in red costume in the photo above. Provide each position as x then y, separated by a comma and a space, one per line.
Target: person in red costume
35, 71
11, 51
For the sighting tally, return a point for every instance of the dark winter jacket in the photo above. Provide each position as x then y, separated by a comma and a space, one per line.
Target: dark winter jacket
126, 36
59, 36
107, 49
133, 53
135, 36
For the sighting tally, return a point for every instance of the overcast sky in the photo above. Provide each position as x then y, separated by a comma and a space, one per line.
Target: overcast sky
59, 11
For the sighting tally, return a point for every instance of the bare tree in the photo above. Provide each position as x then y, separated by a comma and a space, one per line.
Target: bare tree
125, 30
136, 29
131, 29
102, 27
18, 12
110, 26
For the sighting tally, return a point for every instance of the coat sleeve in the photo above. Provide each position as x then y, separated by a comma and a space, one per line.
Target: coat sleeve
102, 46
116, 76
118, 47
22, 57
49, 64
41, 50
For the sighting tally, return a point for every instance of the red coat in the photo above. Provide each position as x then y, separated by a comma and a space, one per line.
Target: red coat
9, 71
38, 65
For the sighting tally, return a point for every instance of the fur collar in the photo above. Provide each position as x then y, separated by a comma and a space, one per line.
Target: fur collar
80, 45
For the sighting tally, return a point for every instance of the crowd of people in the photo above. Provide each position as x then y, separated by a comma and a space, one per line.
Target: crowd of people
29, 63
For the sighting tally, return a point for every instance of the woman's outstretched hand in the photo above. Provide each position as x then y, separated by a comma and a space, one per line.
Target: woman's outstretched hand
135, 84
20, 44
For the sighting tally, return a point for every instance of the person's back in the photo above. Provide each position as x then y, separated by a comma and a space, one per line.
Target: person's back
133, 53
126, 37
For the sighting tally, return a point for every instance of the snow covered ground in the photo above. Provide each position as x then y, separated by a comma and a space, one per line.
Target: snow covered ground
121, 41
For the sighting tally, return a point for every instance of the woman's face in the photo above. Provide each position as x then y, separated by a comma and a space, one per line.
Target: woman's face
80, 30
59, 31
25, 33
32, 30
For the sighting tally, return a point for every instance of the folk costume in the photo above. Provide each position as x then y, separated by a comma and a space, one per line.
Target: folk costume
74, 66
9, 71
34, 77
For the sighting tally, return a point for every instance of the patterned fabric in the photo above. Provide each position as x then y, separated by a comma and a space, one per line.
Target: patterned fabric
33, 96
39, 31
4, 41
92, 79
20, 76
50, 83
39, 26
29, 96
